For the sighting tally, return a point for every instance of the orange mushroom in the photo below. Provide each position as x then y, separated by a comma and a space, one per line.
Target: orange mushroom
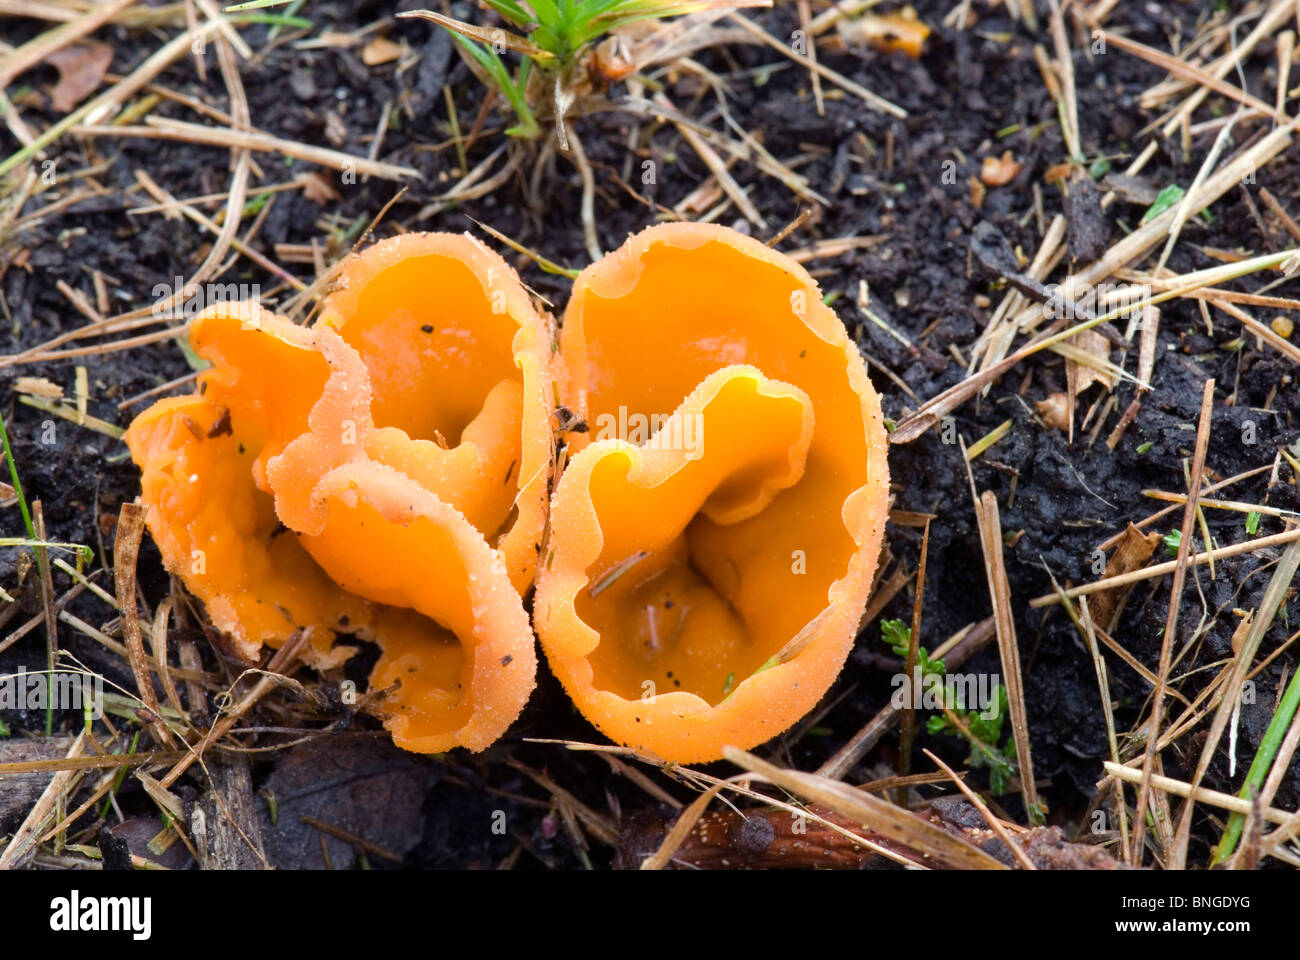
888, 32
200, 457
283, 504
462, 368
705, 578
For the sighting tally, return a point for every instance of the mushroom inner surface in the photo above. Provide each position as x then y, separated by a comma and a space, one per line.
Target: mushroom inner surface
666, 592
435, 342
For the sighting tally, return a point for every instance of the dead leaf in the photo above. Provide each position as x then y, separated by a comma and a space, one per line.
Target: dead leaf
380, 50
150, 838
336, 131
999, 171
39, 387
333, 40
1080, 376
21, 790
1134, 550
81, 67
365, 787
1058, 173
1055, 411
317, 188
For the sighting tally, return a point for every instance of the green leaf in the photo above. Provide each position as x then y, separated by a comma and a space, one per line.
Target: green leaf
897, 635
1252, 522
1172, 542
548, 14
1165, 199
590, 9
254, 206
553, 40
527, 127
275, 20
512, 12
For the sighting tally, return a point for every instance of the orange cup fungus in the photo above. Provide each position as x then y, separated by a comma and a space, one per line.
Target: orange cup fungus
714, 541
383, 472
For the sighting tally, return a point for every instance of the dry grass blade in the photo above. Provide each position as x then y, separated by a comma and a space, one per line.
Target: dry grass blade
1263, 331
1278, 13
158, 642
179, 208
1187, 71
875, 814
587, 208
1160, 569
283, 659
1181, 788
1112, 741
716, 166
990, 526
1122, 253
1065, 68
130, 529
872, 100
681, 829
1171, 621
1184, 209
42, 553
835, 247
651, 788
77, 762
351, 838
490, 36
1239, 506
805, 17
22, 844
1133, 662
548, 266
240, 164
111, 100
978, 803
186, 132
34, 51
1274, 596
1282, 762
601, 827
1288, 223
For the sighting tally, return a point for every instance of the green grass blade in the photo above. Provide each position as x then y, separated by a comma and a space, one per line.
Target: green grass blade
548, 13
527, 127
17, 483
254, 5
512, 12
1259, 767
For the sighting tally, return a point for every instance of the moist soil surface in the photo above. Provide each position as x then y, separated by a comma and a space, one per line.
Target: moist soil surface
973, 94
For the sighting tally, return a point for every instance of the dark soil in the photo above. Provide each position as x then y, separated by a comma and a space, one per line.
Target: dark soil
1067, 497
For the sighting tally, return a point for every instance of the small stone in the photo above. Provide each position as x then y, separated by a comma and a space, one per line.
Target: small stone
302, 85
